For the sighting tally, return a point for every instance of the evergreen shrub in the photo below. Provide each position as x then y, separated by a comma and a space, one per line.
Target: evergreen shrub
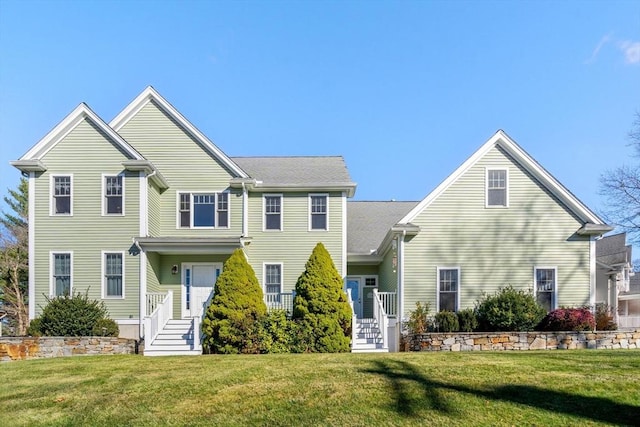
467, 320
509, 309
447, 321
106, 328
69, 316
320, 306
229, 325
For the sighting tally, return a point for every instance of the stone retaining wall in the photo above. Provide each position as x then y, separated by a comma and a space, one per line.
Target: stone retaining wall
18, 348
479, 341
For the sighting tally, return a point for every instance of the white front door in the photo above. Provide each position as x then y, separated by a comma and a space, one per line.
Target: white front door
198, 280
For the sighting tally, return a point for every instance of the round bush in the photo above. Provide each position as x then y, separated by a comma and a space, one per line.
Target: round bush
34, 328
568, 319
509, 310
447, 321
106, 328
71, 316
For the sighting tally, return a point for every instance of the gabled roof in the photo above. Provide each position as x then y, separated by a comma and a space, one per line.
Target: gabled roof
501, 139
62, 129
150, 94
369, 222
613, 250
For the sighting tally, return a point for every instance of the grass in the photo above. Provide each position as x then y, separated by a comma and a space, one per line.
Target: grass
503, 388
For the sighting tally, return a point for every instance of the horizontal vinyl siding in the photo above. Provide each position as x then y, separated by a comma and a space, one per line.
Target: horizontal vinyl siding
87, 154
186, 165
293, 245
154, 211
495, 247
388, 281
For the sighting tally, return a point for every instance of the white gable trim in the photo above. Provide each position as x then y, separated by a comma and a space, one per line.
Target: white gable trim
500, 138
68, 124
149, 94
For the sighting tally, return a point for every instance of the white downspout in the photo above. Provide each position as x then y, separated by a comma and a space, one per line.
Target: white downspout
400, 316
245, 211
32, 245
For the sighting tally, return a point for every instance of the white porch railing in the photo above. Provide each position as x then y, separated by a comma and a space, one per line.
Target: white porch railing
159, 317
381, 317
153, 299
389, 302
196, 323
628, 321
280, 301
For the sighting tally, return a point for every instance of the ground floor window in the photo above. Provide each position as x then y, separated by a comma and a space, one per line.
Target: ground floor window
61, 278
273, 281
448, 287
545, 286
113, 274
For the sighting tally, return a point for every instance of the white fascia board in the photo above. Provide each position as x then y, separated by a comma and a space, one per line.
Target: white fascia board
151, 94
69, 123
500, 138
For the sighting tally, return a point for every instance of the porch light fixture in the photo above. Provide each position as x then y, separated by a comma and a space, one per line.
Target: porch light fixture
174, 269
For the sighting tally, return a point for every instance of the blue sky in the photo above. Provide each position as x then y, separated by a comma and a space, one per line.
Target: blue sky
404, 90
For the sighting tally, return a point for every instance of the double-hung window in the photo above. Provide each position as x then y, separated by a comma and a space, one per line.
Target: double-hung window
273, 282
61, 266
272, 212
61, 195
113, 277
113, 195
203, 210
448, 288
318, 211
497, 191
545, 286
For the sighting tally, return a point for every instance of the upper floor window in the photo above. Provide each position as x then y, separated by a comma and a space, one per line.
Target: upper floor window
318, 211
448, 288
203, 210
113, 195
61, 195
113, 275
497, 187
273, 212
545, 286
61, 267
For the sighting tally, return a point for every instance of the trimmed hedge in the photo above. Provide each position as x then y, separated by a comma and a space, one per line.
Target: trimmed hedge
509, 309
447, 321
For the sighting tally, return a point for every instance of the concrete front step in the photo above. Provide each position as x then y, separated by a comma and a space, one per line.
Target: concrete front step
155, 352
369, 350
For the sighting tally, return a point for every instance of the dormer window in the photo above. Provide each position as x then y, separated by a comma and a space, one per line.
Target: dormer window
497, 190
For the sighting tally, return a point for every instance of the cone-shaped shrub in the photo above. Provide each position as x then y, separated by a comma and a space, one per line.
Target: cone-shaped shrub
237, 304
321, 306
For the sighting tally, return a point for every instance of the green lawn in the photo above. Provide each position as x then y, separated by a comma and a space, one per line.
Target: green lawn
509, 388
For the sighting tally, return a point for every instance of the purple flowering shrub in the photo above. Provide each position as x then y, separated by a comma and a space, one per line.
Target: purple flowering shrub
568, 319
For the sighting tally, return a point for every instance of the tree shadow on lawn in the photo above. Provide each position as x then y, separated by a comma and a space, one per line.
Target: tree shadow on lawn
402, 375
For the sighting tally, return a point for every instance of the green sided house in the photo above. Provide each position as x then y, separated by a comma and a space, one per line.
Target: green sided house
143, 211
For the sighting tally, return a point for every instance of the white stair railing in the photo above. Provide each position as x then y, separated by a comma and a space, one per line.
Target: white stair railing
158, 318
381, 318
389, 302
628, 322
353, 318
196, 323
280, 301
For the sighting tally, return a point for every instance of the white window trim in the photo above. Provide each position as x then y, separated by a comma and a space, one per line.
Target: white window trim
486, 187
52, 270
555, 284
104, 279
309, 211
438, 269
264, 275
52, 209
264, 213
104, 194
215, 210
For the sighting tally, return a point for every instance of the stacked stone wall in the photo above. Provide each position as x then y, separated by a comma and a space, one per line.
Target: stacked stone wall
20, 348
500, 341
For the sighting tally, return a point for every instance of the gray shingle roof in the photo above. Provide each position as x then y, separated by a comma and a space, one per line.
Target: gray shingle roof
612, 250
369, 222
311, 171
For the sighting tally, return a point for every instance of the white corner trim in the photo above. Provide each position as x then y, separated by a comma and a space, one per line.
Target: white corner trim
149, 94
143, 188
32, 245
592, 272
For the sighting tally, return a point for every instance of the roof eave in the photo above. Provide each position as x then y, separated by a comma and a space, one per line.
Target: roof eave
363, 259
148, 168
349, 188
592, 229
29, 165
